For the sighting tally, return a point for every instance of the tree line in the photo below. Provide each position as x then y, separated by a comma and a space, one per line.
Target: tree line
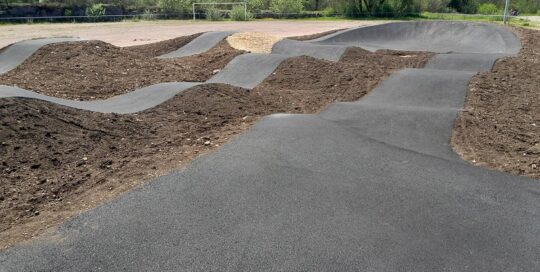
350, 8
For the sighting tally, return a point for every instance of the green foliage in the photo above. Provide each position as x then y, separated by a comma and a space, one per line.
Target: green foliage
437, 6
328, 12
148, 15
95, 10
328, 8
287, 6
238, 14
464, 6
353, 8
174, 6
488, 9
213, 14
256, 5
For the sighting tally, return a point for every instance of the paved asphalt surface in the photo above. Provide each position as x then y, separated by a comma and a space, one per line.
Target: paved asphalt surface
16, 53
199, 45
365, 186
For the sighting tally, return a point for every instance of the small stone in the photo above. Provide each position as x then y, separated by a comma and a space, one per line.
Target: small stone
207, 143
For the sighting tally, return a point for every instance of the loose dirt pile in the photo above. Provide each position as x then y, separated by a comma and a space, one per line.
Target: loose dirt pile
254, 42
500, 125
152, 50
58, 161
307, 84
96, 70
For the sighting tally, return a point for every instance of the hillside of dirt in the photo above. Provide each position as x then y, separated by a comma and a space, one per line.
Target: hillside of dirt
91, 70
58, 161
152, 50
500, 125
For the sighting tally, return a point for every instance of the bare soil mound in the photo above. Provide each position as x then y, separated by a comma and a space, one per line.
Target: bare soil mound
308, 84
96, 70
500, 125
152, 50
58, 161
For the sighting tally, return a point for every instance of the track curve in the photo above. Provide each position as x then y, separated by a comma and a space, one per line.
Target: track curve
17, 53
433, 36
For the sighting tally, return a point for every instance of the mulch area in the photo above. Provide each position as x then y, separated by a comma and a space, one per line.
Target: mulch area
91, 70
500, 125
59, 161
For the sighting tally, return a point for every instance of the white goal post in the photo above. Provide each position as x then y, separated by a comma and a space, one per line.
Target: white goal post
221, 3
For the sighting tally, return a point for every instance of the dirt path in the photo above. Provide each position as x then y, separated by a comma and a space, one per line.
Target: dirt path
500, 126
58, 161
136, 33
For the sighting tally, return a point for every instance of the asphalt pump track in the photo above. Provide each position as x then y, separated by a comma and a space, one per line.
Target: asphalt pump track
371, 185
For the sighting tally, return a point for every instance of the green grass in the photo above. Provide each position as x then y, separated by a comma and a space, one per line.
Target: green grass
461, 17
422, 16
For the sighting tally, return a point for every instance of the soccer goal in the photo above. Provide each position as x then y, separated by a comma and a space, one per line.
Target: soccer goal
244, 3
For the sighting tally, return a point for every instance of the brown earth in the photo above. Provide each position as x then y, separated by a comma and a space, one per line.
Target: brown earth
97, 70
500, 125
58, 161
152, 50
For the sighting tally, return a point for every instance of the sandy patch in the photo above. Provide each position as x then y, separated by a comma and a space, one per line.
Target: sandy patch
254, 42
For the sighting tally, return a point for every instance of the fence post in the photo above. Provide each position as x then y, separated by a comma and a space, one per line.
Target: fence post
505, 16
193, 6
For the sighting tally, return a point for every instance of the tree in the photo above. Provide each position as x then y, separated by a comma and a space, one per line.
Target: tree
464, 6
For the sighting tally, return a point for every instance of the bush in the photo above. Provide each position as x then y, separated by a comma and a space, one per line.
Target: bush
328, 12
238, 14
174, 6
287, 6
464, 6
148, 15
256, 5
213, 14
488, 9
437, 6
95, 10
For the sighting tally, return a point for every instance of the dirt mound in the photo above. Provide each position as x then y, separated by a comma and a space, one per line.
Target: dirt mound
500, 125
57, 161
254, 42
309, 84
96, 70
152, 50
